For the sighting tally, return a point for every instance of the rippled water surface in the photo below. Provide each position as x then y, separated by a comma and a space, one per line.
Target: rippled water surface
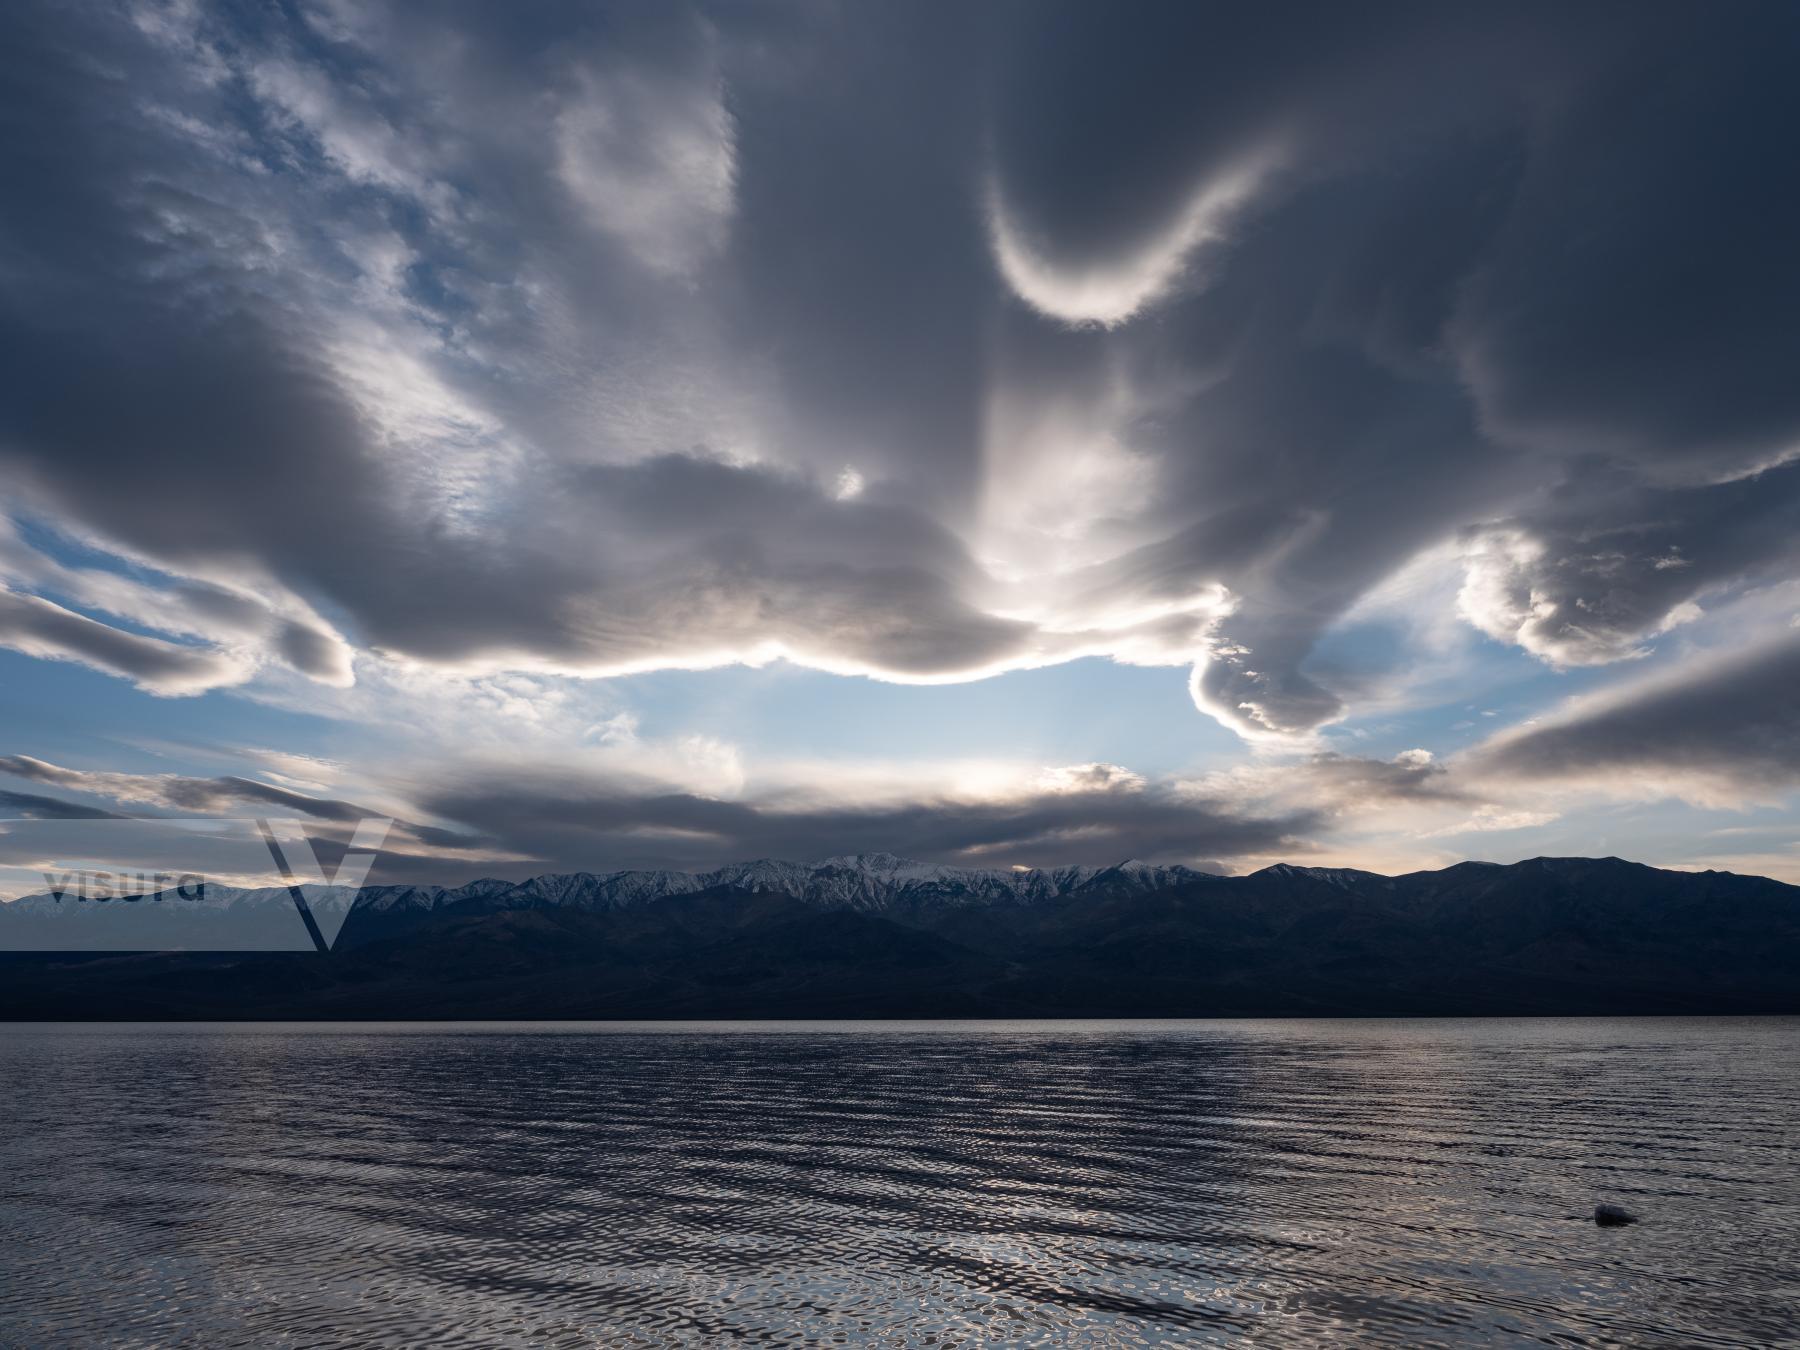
1090, 1184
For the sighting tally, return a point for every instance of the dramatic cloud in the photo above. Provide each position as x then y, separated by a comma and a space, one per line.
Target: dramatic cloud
350, 346
1076, 815
246, 630
1610, 565
1721, 731
519, 821
39, 628
1637, 301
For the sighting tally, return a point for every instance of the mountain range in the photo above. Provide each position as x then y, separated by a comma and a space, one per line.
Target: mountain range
877, 935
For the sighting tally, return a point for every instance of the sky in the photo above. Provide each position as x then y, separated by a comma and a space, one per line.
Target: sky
604, 436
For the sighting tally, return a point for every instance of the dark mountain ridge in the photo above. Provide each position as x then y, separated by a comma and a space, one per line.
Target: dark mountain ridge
881, 937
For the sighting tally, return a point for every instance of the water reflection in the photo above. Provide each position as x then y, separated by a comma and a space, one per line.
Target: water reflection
910, 1184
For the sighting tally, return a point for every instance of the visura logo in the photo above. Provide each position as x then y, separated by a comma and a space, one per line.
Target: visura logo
99, 886
297, 858
195, 883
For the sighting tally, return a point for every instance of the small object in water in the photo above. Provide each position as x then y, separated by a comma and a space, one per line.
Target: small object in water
1611, 1216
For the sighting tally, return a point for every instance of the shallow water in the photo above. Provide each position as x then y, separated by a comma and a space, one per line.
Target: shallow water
1080, 1184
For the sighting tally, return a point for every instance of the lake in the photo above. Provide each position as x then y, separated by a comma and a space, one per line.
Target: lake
928, 1184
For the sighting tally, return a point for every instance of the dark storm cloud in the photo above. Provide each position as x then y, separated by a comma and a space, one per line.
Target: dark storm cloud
576, 823
504, 819
907, 340
1608, 561
1727, 728
522, 821
1639, 299
225, 434
1388, 256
